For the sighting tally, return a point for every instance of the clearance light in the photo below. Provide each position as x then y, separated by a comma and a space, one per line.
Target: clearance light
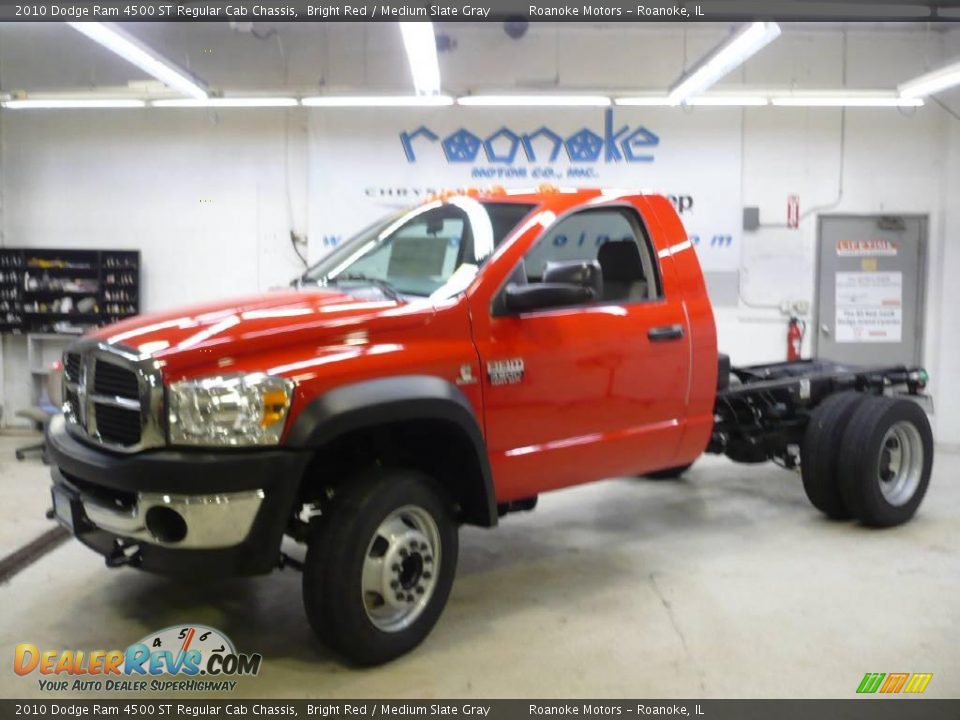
732, 53
421, 46
345, 101
134, 51
535, 100
932, 82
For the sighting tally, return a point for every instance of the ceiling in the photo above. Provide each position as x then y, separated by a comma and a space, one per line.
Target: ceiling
307, 58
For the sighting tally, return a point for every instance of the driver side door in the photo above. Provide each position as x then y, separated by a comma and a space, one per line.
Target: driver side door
589, 391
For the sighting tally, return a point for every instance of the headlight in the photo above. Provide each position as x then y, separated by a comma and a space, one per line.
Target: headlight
233, 410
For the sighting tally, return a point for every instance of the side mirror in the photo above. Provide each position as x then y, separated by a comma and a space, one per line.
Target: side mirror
586, 273
539, 296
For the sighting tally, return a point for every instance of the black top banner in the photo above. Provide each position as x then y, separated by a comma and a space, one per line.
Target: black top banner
482, 11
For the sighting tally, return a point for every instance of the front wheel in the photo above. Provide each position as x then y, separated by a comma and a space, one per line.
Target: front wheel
380, 566
671, 473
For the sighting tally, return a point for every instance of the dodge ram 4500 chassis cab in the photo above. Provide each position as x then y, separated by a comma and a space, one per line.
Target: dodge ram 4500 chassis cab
445, 366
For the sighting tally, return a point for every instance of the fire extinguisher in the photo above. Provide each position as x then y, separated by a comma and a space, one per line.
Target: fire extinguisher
796, 329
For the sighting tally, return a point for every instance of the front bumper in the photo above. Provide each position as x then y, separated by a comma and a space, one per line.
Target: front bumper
176, 512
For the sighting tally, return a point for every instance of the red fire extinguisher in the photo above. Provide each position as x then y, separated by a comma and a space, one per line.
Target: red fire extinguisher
796, 329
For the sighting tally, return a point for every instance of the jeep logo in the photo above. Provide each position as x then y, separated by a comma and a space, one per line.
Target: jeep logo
614, 144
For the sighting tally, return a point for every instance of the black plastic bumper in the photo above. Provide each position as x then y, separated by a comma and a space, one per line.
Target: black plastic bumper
81, 469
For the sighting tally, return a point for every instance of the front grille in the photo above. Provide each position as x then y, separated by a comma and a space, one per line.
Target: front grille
115, 381
113, 397
71, 366
118, 425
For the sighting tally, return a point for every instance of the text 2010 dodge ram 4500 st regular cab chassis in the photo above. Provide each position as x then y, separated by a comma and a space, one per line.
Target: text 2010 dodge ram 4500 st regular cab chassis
445, 366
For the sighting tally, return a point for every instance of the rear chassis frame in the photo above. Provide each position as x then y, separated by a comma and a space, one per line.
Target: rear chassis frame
761, 414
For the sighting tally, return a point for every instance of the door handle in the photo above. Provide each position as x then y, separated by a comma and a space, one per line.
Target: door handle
665, 332
825, 329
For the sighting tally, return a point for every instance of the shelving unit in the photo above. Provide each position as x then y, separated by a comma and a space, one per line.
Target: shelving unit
66, 291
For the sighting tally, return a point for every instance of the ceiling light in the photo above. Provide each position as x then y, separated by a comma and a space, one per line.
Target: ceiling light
134, 51
227, 102
732, 53
729, 100
846, 101
56, 103
645, 100
932, 82
421, 46
345, 101
535, 100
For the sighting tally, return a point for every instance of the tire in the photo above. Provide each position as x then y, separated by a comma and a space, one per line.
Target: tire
886, 461
394, 520
671, 473
820, 453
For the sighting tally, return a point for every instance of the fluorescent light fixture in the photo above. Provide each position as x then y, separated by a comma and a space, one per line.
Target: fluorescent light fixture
729, 100
865, 101
733, 52
535, 100
644, 100
254, 102
134, 51
932, 82
64, 104
421, 46
347, 101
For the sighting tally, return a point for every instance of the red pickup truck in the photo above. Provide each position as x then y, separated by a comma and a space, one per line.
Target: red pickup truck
445, 366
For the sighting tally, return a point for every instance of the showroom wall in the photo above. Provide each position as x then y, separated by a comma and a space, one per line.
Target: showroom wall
211, 198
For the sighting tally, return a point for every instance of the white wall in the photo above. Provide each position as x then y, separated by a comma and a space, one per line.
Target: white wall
210, 198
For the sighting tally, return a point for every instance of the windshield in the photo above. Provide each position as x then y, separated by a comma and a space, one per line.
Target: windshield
434, 248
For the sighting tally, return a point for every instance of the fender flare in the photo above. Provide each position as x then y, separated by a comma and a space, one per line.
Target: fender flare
395, 399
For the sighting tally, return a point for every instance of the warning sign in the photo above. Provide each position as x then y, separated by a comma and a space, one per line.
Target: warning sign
858, 248
869, 307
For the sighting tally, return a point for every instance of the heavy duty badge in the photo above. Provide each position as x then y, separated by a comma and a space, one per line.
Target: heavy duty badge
505, 372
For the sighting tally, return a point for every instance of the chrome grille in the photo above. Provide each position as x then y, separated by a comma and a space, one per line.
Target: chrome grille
113, 397
71, 367
114, 381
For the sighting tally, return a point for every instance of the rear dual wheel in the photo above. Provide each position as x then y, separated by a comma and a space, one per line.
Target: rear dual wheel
867, 457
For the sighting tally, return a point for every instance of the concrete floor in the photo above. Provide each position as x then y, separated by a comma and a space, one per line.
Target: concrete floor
726, 584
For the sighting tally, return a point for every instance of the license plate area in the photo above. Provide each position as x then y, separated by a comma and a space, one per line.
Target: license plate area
67, 508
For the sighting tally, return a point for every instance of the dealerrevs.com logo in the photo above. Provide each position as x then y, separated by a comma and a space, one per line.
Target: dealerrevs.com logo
178, 658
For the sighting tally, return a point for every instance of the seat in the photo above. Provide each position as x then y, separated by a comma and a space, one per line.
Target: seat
623, 276
40, 415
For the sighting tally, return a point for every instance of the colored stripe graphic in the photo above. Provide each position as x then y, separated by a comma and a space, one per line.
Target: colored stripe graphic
894, 682
918, 683
870, 682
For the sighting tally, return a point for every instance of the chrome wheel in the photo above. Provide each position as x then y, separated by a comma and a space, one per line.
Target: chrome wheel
901, 463
400, 568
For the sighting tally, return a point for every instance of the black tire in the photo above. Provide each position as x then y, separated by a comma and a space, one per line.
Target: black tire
333, 593
671, 473
867, 456
820, 453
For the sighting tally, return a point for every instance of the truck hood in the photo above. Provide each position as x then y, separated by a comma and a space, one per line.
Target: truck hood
244, 325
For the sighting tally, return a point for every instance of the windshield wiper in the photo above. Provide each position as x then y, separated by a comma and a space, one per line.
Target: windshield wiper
389, 290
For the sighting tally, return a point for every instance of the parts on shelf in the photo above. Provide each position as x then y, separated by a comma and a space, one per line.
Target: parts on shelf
66, 290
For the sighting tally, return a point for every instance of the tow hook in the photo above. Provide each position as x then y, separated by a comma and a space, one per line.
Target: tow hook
287, 561
124, 554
